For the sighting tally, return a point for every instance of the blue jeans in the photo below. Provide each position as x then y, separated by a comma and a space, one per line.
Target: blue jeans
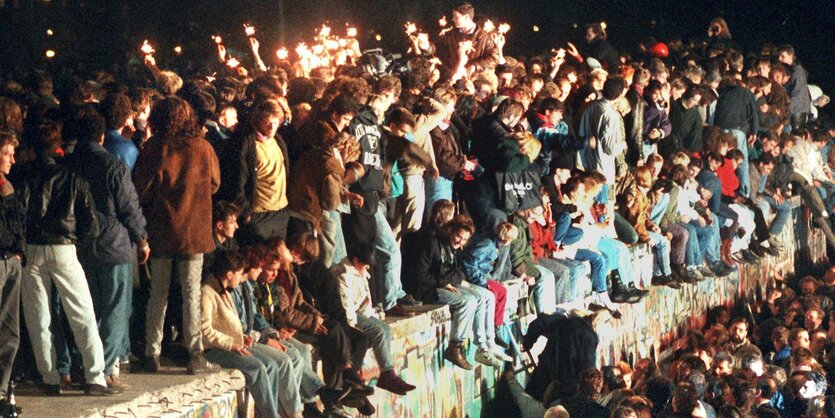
708, 240
598, 268
569, 278
692, 250
270, 376
484, 324
437, 190
661, 254
781, 215
310, 380
742, 171
463, 308
388, 256
332, 241
111, 286
379, 333
544, 291
617, 258
565, 233
659, 209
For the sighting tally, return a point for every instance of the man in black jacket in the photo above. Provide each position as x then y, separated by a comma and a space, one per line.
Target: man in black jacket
255, 174
109, 259
737, 113
431, 274
60, 213
11, 256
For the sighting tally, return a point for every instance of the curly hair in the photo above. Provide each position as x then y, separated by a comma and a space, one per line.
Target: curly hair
348, 146
173, 118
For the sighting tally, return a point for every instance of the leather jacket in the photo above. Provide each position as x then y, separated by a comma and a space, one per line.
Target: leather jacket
59, 205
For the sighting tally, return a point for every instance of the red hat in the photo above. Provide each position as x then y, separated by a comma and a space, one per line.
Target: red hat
659, 50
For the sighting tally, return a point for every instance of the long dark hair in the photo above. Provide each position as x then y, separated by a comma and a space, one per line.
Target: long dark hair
173, 119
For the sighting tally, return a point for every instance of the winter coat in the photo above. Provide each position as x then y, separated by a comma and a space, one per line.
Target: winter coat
429, 263
117, 205
175, 181
58, 203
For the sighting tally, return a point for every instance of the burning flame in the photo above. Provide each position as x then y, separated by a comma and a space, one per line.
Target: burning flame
352, 32
325, 31
218, 40
233, 62
504, 28
442, 22
250, 30
410, 28
489, 26
282, 53
146, 48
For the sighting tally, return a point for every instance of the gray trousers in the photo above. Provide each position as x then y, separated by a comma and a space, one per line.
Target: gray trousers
189, 268
10, 273
58, 264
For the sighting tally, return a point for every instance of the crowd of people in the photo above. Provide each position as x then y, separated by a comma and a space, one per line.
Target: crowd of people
764, 359
297, 206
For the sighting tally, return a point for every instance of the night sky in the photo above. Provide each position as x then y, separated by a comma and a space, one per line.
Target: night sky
105, 28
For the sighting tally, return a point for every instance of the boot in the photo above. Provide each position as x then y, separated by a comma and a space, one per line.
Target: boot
198, 364
725, 252
454, 353
635, 290
620, 294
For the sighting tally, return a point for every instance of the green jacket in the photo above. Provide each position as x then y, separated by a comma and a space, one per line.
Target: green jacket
521, 253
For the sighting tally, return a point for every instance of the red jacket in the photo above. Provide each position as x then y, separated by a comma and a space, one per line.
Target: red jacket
542, 240
727, 175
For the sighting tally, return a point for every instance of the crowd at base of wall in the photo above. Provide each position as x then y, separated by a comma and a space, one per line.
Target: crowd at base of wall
645, 329
447, 391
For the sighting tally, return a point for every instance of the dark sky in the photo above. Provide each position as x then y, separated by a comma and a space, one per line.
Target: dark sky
103, 25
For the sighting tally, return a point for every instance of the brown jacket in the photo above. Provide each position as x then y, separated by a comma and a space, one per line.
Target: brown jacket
315, 185
484, 55
448, 155
175, 182
287, 310
638, 215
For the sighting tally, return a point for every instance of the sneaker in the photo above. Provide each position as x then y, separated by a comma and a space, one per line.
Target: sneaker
93, 389
602, 300
113, 381
486, 358
694, 273
409, 300
500, 354
198, 364
454, 354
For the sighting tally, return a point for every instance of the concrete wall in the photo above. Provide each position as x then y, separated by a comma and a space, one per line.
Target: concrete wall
646, 328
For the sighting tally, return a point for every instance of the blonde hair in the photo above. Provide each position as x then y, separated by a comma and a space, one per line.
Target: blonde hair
643, 176
528, 144
506, 231
680, 158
